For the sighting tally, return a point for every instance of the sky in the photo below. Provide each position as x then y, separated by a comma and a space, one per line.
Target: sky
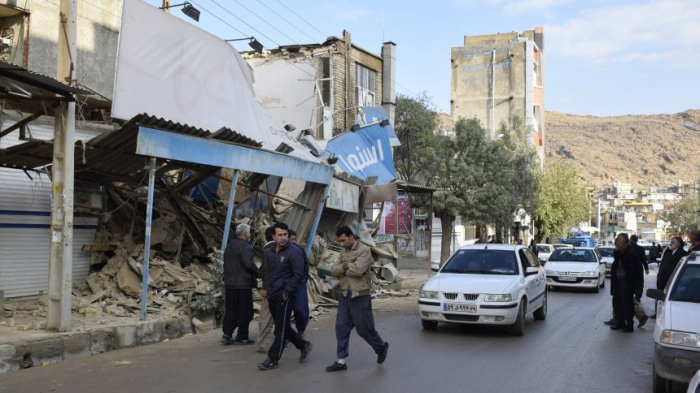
602, 57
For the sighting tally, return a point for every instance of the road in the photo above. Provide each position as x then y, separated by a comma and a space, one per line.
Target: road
571, 351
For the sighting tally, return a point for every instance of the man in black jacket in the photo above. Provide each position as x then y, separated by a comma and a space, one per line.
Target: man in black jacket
625, 276
639, 312
240, 277
301, 304
671, 258
283, 276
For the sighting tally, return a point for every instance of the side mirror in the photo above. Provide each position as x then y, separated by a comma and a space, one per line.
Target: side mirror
531, 270
435, 267
543, 261
656, 294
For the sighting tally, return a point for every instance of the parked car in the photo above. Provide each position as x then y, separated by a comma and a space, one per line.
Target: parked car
694, 385
544, 251
578, 267
677, 330
607, 256
495, 284
562, 245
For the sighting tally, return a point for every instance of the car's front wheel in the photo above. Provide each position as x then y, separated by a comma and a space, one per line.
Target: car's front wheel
429, 325
541, 313
518, 328
661, 384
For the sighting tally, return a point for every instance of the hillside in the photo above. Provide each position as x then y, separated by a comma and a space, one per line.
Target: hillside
644, 150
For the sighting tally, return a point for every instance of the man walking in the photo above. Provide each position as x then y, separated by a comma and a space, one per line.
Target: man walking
639, 312
240, 277
671, 258
265, 319
354, 303
301, 304
625, 274
283, 276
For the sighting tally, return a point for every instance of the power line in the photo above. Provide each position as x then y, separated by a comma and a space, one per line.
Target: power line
297, 15
286, 20
217, 17
244, 22
270, 24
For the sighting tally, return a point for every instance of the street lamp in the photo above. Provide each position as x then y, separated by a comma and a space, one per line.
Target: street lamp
187, 9
255, 44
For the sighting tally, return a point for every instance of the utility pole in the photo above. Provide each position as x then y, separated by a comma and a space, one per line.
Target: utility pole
61, 251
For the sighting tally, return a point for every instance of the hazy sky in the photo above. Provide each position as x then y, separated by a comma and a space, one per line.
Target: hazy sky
603, 57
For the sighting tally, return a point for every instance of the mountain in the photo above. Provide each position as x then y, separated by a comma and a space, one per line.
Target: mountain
644, 150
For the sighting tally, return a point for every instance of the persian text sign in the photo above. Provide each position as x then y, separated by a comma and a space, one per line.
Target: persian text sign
365, 153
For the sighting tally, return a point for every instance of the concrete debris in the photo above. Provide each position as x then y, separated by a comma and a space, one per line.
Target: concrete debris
128, 281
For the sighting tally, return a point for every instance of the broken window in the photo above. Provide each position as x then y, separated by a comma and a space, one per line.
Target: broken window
14, 28
365, 84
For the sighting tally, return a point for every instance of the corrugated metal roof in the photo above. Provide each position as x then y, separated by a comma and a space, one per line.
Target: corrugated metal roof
35, 83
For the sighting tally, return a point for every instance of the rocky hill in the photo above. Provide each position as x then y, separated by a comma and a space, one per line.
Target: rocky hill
644, 150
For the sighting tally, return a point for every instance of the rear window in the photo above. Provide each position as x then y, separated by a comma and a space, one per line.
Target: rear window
687, 285
606, 252
573, 255
482, 262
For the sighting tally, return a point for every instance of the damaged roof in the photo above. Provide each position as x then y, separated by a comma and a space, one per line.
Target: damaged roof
30, 82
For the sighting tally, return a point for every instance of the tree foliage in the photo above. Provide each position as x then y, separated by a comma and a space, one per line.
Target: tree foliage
415, 124
683, 217
561, 200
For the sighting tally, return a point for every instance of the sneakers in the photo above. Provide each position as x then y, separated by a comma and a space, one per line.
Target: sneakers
226, 340
268, 364
336, 367
643, 321
305, 352
382, 356
243, 342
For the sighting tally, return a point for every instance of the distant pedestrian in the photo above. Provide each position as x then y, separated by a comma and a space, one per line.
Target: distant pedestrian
265, 323
669, 263
301, 304
653, 253
355, 302
283, 276
659, 251
625, 274
240, 277
639, 312
533, 247
694, 241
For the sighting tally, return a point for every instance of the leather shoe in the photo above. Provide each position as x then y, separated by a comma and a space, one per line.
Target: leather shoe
382, 356
610, 322
616, 327
643, 321
627, 330
336, 367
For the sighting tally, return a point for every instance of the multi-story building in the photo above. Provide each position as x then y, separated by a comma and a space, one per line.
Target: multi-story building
496, 77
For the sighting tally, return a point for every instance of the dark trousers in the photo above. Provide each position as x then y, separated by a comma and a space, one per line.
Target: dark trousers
281, 311
301, 308
356, 313
623, 303
239, 312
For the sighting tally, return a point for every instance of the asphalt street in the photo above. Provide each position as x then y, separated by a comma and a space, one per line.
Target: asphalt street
571, 351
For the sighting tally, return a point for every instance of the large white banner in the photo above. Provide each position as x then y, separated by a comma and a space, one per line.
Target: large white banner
167, 67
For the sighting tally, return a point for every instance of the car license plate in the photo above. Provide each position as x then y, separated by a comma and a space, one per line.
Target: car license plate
460, 307
567, 278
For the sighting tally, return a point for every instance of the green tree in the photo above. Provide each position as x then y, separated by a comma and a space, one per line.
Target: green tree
683, 217
561, 200
415, 125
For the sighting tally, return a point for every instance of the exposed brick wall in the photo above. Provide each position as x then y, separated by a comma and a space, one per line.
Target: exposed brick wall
339, 92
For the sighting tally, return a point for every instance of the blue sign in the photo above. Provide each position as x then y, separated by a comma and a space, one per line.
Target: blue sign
364, 153
377, 113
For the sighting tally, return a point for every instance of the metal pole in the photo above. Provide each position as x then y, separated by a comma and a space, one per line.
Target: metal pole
396, 224
430, 232
147, 245
229, 212
317, 219
61, 246
493, 94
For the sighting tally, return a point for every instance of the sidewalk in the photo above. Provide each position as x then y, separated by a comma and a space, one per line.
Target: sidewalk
413, 273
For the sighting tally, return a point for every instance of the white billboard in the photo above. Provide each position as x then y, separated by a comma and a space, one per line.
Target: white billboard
168, 68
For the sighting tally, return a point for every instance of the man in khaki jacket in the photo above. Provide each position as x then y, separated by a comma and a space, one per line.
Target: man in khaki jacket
355, 302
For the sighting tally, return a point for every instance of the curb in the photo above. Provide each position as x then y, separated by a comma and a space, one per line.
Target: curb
65, 346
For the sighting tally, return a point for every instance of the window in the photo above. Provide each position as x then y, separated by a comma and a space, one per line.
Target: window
365, 85
14, 24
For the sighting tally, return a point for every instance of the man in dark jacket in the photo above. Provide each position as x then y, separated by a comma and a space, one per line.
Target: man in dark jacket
301, 304
694, 241
265, 324
639, 312
625, 275
671, 258
240, 277
283, 276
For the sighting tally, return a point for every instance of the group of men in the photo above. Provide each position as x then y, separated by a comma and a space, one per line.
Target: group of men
284, 272
627, 277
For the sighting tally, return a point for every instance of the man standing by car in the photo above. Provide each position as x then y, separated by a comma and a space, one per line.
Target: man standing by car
282, 279
694, 241
625, 274
669, 263
355, 302
639, 312
240, 277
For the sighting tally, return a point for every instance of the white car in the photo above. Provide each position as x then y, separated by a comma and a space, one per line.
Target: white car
496, 284
694, 385
577, 267
677, 330
607, 255
544, 251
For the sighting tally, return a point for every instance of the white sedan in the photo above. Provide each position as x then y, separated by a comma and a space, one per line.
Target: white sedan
677, 330
607, 256
577, 267
497, 284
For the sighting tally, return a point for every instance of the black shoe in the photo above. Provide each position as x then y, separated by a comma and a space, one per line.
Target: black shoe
643, 321
243, 342
628, 329
336, 367
226, 340
616, 327
610, 322
268, 364
305, 352
382, 356
653, 317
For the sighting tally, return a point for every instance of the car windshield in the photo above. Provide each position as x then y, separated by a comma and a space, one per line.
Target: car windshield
482, 262
687, 285
544, 249
572, 255
606, 252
